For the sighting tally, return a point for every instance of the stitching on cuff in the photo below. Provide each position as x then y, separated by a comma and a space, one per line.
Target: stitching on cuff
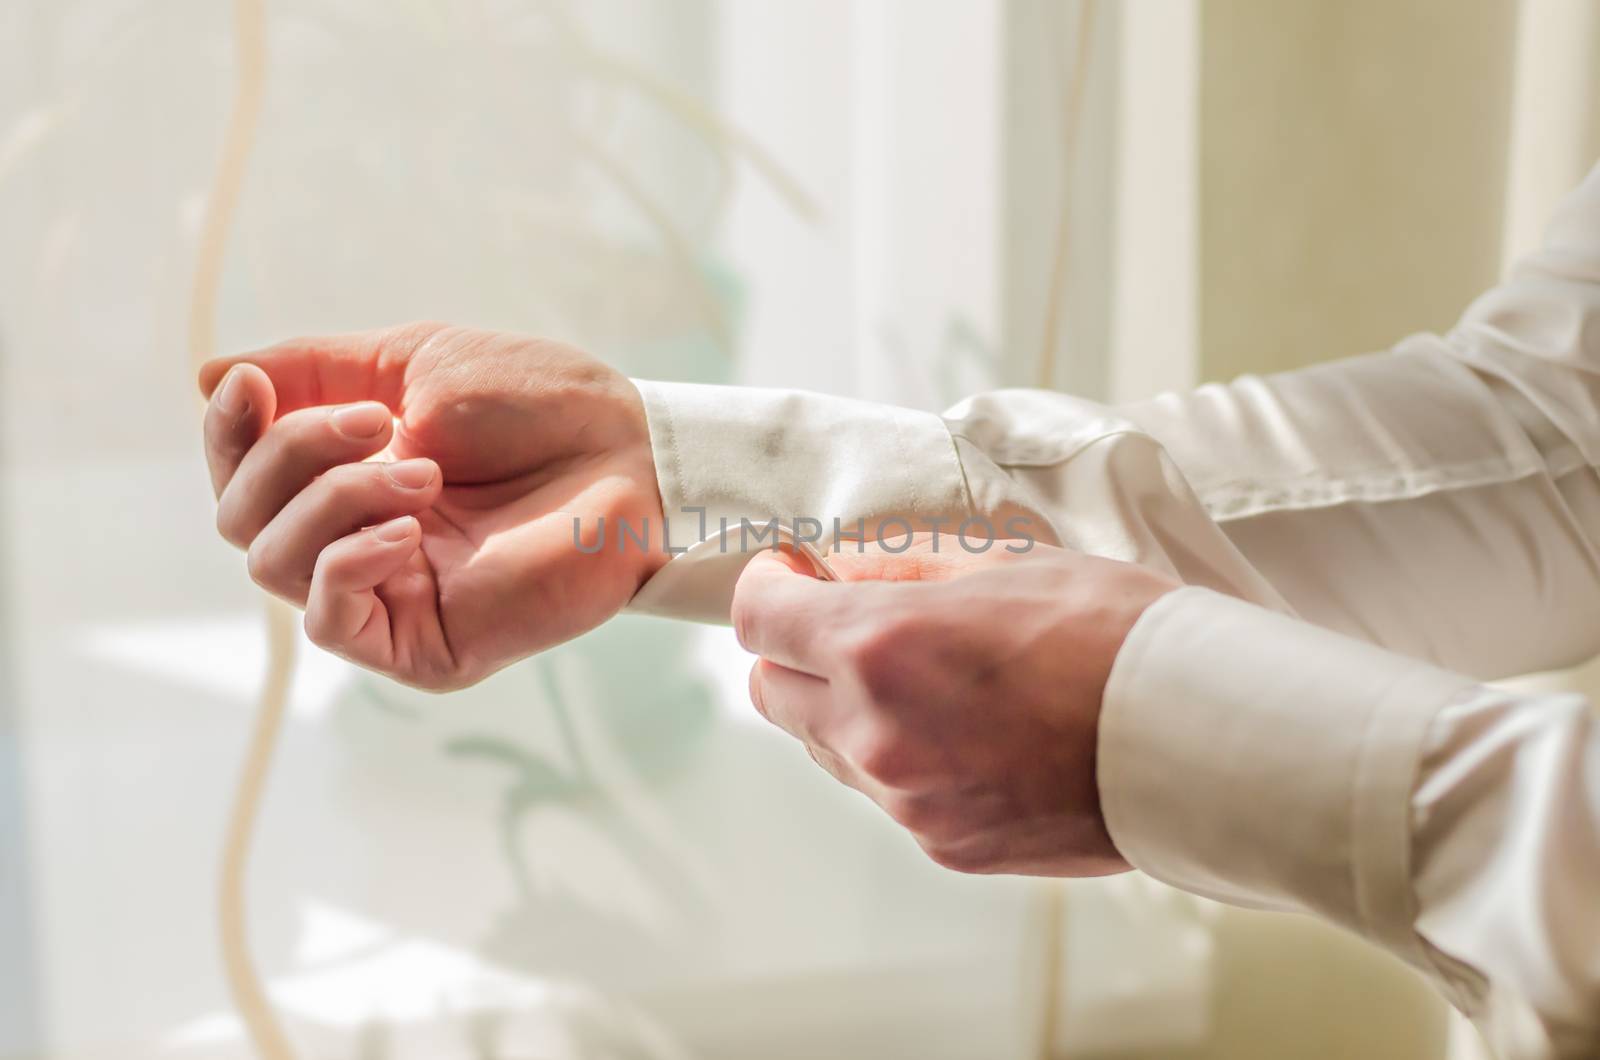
961, 470
670, 430
906, 455
912, 455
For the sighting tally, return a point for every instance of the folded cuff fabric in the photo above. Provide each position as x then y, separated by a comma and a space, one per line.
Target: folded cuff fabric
1213, 702
732, 462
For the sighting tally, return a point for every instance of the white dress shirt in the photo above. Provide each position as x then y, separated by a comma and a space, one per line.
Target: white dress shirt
1302, 728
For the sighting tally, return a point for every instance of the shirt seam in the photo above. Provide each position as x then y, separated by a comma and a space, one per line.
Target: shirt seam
1244, 498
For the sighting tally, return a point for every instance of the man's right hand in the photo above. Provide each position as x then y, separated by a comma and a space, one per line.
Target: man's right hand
452, 554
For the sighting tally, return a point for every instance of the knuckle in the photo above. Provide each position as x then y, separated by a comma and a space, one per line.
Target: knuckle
887, 756
916, 814
437, 683
959, 857
347, 484
229, 525
757, 692
317, 631
299, 438
300, 428
877, 656
259, 564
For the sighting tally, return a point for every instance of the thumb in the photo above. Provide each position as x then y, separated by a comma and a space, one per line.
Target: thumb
779, 606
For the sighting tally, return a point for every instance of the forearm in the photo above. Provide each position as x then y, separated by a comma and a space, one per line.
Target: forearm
1392, 496
738, 468
1021, 467
1387, 496
1408, 499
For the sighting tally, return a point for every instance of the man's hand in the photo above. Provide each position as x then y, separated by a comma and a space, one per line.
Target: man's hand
960, 693
452, 554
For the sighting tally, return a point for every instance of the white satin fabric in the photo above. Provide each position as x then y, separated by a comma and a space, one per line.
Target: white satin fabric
1303, 728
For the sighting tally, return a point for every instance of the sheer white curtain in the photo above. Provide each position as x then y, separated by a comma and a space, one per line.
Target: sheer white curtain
599, 853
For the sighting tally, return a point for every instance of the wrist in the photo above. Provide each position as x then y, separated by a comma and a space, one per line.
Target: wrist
641, 458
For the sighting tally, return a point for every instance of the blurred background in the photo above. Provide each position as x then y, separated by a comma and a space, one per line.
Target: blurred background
601, 853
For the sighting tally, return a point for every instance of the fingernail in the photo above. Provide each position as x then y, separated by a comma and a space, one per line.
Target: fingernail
360, 421
230, 395
395, 529
411, 474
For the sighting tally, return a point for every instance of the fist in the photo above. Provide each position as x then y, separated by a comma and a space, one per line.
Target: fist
960, 693
416, 491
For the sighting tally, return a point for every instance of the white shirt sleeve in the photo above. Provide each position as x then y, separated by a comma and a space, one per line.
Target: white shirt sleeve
1429, 511
1262, 761
1440, 500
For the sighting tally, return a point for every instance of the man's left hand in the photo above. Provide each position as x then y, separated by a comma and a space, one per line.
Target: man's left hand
961, 693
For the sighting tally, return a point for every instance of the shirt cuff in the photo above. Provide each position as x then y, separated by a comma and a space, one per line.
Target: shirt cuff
817, 466
1255, 759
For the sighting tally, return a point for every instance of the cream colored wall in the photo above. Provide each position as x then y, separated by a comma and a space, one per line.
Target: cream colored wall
1352, 173
1363, 167
1352, 180
1288, 986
